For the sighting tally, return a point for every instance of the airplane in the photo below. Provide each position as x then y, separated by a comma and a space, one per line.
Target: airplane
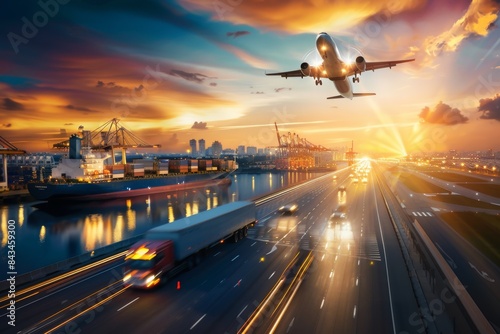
336, 69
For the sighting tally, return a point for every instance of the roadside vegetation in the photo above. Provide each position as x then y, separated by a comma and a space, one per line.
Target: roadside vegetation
417, 184
465, 201
481, 229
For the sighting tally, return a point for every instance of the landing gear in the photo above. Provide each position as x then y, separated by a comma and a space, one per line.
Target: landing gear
318, 82
355, 79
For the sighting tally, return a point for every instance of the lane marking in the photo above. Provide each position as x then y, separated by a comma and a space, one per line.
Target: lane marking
253, 244
216, 254
239, 314
449, 259
322, 303
196, 323
234, 258
354, 313
386, 265
482, 273
121, 308
271, 275
290, 325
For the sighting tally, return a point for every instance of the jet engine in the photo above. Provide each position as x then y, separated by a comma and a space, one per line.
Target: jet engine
305, 69
360, 63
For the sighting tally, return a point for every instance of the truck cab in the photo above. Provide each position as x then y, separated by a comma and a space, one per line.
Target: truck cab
147, 261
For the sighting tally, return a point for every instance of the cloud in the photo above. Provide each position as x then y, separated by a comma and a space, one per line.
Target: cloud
200, 125
490, 108
9, 104
478, 20
299, 16
7, 125
277, 90
189, 76
213, 84
442, 114
258, 92
102, 84
238, 33
73, 107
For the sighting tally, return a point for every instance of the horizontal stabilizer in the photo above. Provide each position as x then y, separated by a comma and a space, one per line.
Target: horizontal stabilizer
353, 95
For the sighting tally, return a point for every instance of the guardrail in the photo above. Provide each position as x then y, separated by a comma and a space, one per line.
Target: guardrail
426, 263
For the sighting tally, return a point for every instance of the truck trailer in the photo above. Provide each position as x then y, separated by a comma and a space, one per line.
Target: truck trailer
170, 248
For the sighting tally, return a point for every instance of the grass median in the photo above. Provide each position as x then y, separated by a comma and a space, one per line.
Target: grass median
481, 229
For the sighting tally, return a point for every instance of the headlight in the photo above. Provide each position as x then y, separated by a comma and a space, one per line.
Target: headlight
150, 279
127, 277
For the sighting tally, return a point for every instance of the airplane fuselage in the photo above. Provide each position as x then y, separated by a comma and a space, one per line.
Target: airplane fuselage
333, 65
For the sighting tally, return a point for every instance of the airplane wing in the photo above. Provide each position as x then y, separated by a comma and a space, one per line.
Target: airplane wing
375, 65
353, 95
296, 73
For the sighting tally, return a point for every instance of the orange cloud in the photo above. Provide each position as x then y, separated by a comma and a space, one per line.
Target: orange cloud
478, 20
298, 16
442, 114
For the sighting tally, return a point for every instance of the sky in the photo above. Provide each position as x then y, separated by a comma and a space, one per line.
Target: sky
172, 71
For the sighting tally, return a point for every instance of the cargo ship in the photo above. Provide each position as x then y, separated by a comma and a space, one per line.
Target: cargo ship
85, 176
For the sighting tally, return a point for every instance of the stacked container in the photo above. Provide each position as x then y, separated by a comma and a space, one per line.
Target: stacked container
193, 165
118, 171
163, 166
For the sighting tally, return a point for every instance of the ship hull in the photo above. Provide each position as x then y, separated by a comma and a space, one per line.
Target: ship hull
50, 191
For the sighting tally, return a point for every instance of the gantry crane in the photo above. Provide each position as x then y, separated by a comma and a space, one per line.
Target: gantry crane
294, 152
109, 137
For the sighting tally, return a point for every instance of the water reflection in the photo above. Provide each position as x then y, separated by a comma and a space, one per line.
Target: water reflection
48, 233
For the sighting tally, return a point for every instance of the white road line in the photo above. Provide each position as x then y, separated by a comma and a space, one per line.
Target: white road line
239, 314
290, 325
216, 254
121, 308
386, 268
253, 244
196, 323
271, 275
322, 303
357, 280
234, 258
354, 313
323, 257
332, 273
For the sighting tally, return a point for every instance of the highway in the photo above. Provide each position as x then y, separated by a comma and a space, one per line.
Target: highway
477, 273
356, 281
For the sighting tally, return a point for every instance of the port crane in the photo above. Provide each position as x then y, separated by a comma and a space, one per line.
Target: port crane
6, 148
295, 152
110, 136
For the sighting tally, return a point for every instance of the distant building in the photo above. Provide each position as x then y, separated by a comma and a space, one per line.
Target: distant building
260, 151
192, 144
228, 151
201, 146
252, 150
241, 150
216, 149
209, 152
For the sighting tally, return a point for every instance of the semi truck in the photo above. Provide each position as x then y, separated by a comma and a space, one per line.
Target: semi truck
171, 248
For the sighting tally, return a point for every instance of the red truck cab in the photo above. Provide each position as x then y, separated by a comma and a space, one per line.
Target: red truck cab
147, 261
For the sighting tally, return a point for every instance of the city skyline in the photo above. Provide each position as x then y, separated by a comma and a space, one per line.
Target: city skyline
187, 69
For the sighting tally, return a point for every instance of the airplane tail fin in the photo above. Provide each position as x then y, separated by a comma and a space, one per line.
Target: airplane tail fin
353, 95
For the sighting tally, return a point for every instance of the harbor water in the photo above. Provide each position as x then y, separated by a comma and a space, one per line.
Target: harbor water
48, 233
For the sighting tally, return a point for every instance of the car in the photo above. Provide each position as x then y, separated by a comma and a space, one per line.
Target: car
288, 209
364, 180
338, 216
342, 188
355, 180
